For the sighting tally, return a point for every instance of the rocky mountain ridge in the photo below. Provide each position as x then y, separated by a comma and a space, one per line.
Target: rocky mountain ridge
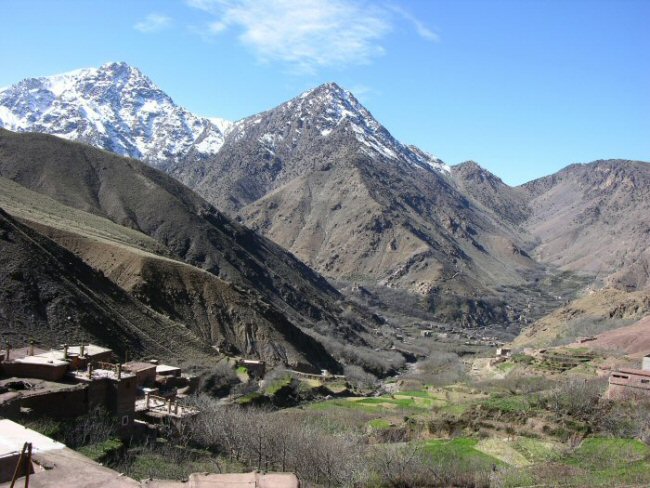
114, 107
267, 150
594, 218
218, 267
325, 180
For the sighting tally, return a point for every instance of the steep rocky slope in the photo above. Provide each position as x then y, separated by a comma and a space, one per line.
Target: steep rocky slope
134, 195
215, 311
114, 107
596, 312
507, 203
595, 218
321, 177
267, 150
49, 294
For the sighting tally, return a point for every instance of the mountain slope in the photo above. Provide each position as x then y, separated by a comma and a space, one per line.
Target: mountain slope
267, 150
595, 218
412, 227
132, 194
325, 180
114, 107
321, 177
49, 294
595, 312
213, 310
507, 203
633, 340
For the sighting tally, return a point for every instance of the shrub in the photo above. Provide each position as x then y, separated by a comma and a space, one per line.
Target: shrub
220, 380
358, 378
577, 397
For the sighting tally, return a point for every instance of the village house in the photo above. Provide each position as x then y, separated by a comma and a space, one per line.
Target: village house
73, 380
627, 383
503, 352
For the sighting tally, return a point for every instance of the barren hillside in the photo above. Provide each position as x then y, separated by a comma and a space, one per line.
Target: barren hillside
595, 218
164, 214
49, 294
596, 312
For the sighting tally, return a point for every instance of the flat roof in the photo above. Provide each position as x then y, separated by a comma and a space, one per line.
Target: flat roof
230, 480
138, 366
15, 435
21, 352
244, 480
47, 359
166, 368
637, 372
100, 373
37, 387
8, 396
66, 467
89, 349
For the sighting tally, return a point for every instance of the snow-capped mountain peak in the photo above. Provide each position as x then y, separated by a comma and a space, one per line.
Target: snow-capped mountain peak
114, 107
117, 108
319, 112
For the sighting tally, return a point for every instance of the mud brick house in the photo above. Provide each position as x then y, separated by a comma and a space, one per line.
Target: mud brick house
74, 380
112, 389
30, 362
145, 373
630, 383
52, 464
65, 383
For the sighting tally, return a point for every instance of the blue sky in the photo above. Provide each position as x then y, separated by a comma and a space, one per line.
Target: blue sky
522, 87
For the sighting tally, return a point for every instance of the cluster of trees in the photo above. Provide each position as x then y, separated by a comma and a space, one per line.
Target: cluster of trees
319, 453
260, 439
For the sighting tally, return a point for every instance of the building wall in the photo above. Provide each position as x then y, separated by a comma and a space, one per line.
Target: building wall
10, 405
645, 365
145, 377
49, 372
103, 357
58, 404
97, 393
122, 395
626, 385
8, 464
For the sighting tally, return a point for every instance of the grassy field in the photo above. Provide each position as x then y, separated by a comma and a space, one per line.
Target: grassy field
462, 450
453, 397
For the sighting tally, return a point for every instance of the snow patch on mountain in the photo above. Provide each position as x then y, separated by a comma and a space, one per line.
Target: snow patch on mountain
114, 107
328, 108
117, 108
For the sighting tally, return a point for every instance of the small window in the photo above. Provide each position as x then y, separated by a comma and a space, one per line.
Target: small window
125, 420
645, 381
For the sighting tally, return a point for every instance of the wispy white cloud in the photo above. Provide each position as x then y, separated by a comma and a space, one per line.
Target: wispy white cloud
153, 23
306, 34
422, 30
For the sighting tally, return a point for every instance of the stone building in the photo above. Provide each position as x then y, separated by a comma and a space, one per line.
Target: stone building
630, 383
